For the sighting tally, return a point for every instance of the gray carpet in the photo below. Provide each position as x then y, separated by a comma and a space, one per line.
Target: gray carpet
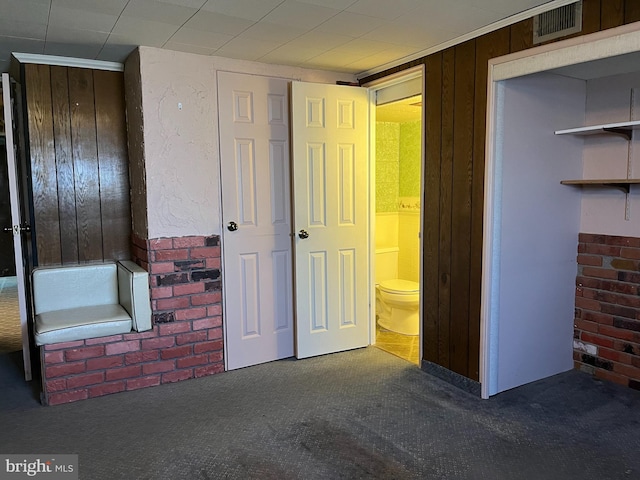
359, 414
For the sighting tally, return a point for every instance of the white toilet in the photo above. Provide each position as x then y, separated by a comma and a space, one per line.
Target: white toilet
397, 301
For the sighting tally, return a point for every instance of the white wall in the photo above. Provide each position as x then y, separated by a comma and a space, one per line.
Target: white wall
181, 153
605, 156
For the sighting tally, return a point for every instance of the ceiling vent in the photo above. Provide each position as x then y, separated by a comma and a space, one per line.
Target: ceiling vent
557, 23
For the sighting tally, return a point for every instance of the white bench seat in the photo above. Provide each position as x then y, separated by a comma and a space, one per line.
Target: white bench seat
88, 301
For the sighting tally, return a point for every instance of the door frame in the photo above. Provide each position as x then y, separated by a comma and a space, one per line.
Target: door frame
374, 86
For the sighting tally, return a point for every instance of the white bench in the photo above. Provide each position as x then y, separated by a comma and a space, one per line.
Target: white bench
88, 301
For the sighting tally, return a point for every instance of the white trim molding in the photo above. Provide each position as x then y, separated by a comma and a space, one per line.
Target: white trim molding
68, 62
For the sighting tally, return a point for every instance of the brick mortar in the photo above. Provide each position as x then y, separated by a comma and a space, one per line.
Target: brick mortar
179, 347
607, 317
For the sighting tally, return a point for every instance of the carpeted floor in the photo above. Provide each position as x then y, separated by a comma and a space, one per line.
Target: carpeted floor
10, 335
358, 414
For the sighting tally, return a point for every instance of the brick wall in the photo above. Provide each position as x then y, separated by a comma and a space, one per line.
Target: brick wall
186, 339
607, 324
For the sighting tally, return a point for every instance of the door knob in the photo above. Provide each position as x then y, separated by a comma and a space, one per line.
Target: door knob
232, 226
25, 228
303, 234
7, 229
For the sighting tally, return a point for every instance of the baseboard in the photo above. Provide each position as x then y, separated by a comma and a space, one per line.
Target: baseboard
455, 379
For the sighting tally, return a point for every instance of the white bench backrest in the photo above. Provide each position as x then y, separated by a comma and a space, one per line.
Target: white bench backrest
133, 286
59, 288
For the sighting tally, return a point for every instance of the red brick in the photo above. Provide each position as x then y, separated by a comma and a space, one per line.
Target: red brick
211, 322
165, 255
599, 295
60, 346
102, 340
68, 397
176, 352
622, 241
605, 273
160, 342
588, 282
611, 376
588, 303
188, 289
628, 371
215, 334
122, 347
208, 346
592, 260
172, 303
162, 292
627, 347
141, 335
633, 253
216, 357
625, 264
214, 310
191, 313
64, 369
124, 372
618, 310
177, 376
104, 362
585, 325
106, 389
213, 263
599, 249
139, 357
173, 328
208, 370
56, 385
158, 367
617, 333
85, 379
192, 361
614, 355
187, 242
54, 357
138, 241
600, 318
135, 383
191, 337
160, 244
162, 267
83, 353
205, 252
591, 238
597, 340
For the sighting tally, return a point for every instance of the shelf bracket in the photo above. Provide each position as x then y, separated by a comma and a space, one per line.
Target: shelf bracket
622, 131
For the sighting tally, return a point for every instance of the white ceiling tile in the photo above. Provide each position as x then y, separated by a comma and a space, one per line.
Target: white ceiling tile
31, 11
217, 22
246, 48
456, 17
201, 38
73, 17
290, 54
74, 36
141, 32
363, 46
348, 23
270, 32
247, 9
106, 7
72, 50
183, 47
337, 4
115, 52
157, 11
410, 35
387, 9
334, 57
197, 4
22, 45
323, 40
16, 28
305, 16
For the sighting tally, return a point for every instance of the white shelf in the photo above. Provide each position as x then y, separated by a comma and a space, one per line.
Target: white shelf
621, 128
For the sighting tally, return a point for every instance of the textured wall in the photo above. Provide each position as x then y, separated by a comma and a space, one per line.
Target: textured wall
410, 159
387, 166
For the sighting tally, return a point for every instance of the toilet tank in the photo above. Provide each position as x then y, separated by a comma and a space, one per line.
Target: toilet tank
386, 264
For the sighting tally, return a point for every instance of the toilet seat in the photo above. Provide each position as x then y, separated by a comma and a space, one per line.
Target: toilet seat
398, 286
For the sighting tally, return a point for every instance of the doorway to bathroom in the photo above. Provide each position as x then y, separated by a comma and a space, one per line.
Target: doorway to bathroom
398, 160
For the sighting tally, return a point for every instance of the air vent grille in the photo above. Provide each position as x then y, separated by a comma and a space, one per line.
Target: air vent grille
557, 23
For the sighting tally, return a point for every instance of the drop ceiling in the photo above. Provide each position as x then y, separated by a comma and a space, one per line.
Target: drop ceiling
343, 35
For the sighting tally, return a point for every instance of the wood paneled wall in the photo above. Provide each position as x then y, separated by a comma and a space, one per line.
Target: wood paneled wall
456, 101
79, 166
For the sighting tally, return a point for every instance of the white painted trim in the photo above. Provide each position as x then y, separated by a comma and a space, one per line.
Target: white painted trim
595, 46
532, 12
68, 62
